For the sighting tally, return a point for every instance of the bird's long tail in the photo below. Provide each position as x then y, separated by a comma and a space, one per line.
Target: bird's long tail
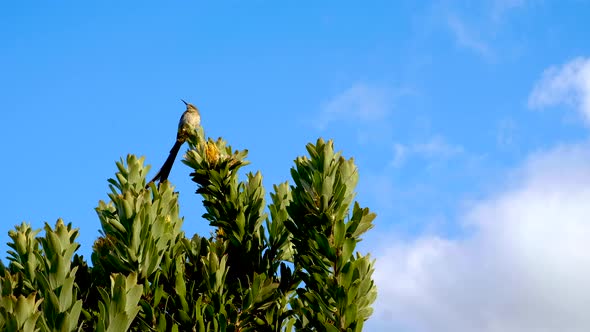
163, 173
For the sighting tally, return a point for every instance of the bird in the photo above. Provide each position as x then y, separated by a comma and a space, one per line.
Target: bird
189, 121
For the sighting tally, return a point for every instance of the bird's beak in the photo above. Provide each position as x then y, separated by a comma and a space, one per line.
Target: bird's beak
184, 102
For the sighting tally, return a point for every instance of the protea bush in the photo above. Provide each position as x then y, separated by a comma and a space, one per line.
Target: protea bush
286, 265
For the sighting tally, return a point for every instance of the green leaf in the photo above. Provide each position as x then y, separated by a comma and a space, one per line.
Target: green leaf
339, 233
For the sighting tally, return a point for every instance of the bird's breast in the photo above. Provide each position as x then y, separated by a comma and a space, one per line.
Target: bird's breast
189, 119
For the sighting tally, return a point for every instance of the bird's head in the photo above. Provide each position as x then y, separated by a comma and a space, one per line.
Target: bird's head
189, 106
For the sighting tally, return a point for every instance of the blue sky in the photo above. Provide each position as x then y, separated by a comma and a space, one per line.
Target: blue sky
468, 121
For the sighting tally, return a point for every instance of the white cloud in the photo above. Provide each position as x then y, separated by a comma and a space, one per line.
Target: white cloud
479, 26
364, 109
568, 84
436, 148
524, 265
467, 37
360, 102
400, 154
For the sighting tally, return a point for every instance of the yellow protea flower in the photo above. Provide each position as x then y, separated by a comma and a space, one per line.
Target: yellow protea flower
212, 153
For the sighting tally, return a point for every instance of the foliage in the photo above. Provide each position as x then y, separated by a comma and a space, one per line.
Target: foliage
289, 265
